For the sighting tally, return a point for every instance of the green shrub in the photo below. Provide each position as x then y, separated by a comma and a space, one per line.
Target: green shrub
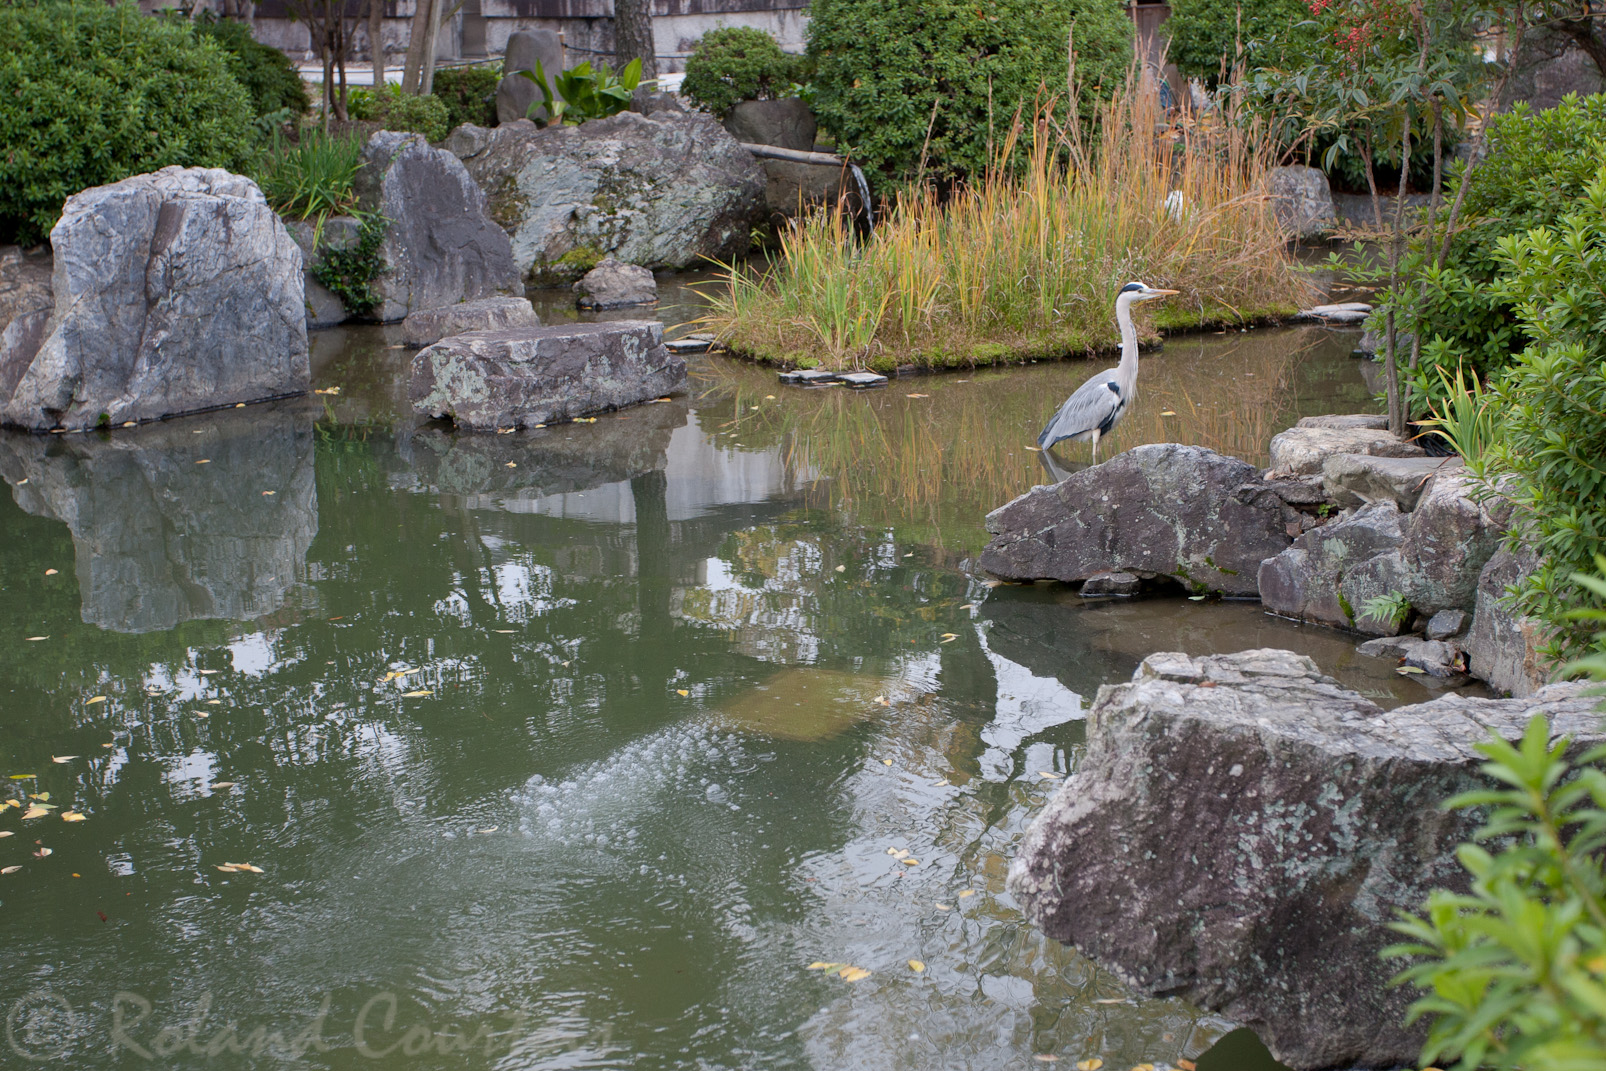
265, 72
469, 94
1512, 971
1203, 32
582, 93
1537, 168
1552, 407
424, 115
884, 64
91, 94
737, 63
350, 273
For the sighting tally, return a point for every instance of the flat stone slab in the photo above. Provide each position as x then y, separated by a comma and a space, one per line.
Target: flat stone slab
688, 347
1106, 584
530, 376
1241, 830
808, 376
860, 380
1348, 312
428, 326
1301, 450
1354, 479
1369, 421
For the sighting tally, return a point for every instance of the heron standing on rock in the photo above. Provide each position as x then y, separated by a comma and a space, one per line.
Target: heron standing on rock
1100, 403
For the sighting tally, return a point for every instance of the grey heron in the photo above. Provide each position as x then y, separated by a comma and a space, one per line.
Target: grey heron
1099, 403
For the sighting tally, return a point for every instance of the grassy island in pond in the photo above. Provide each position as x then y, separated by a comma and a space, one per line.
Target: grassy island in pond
1025, 263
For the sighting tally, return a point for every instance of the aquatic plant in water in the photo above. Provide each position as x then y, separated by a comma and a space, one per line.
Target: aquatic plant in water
1026, 262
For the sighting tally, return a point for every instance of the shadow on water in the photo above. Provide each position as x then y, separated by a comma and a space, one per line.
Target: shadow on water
575, 747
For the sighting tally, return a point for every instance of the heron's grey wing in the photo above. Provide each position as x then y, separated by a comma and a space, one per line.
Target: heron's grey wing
1091, 406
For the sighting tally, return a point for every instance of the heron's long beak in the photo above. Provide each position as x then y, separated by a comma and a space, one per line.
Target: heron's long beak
1150, 295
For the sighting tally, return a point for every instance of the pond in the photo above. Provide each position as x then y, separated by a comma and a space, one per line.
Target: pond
576, 748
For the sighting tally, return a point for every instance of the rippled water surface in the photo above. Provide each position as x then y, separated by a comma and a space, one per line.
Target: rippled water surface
577, 747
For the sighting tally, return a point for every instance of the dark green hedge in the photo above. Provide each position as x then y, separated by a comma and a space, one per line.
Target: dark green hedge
469, 94
883, 63
91, 94
1202, 32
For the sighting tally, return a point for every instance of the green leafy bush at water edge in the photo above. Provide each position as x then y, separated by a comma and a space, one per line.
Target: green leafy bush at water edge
883, 64
265, 72
425, 115
350, 273
91, 94
737, 63
469, 94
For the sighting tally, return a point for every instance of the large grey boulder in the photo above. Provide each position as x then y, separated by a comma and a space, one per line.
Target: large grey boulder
1305, 581
324, 307
173, 292
663, 191
1503, 645
541, 375
428, 326
1302, 449
1302, 199
159, 538
787, 123
515, 93
1241, 830
440, 247
615, 285
1183, 512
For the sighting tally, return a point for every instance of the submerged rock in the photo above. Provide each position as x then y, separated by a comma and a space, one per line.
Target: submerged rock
173, 292
1241, 830
1184, 512
663, 191
1112, 584
541, 375
440, 246
428, 326
614, 285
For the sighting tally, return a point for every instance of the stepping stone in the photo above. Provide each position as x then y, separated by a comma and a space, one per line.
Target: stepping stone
808, 376
860, 380
1349, 312
689, 346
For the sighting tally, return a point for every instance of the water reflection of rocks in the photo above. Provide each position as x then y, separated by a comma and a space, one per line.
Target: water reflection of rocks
207, 517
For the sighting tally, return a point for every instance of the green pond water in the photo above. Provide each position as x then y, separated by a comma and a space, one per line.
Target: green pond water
575, 748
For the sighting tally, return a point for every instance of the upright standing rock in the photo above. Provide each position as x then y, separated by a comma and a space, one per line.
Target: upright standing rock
174, 291
787, 123
1241, 830
1303, 200
515, 93
440, 246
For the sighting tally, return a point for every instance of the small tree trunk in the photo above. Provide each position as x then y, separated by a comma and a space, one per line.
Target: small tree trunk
1391, 365
417, 39
439, 12
342, 41
376, 40
632, 36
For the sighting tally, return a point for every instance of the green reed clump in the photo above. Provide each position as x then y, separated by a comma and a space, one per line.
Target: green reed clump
314, 178
1026, 262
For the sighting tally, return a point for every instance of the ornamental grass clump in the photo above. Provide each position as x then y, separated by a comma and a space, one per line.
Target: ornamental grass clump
1025, 263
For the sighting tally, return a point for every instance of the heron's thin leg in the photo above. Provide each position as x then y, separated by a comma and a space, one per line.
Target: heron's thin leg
1095, 446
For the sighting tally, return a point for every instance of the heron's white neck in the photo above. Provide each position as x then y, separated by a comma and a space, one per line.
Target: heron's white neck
1127, 372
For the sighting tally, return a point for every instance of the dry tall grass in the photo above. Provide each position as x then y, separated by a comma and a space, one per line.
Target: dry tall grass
1026, 263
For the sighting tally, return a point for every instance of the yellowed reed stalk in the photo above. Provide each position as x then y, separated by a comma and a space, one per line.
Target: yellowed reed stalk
1025, 262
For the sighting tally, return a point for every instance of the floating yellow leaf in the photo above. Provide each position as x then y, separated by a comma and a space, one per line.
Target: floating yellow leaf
204, 461
93, 700
944, 907
245, 867
270, 492
202, 714
336, 390
36, 639
968, 606
841, 568
886, 762
14, 803
852, 974
1045, 1057
1089, 1065
112, 744
898, 853
23, 776
43, 852
227, 868
512, 464
1189, 1065
909, 862
36, 811
883, 700
417, 694
916, 966
1111, 1000
678, 691
967, 892
9, 869
222, 784
214, 702
1051, 775
1142, 1067
1410, 669
62, 758
1168, 412
917, 395
949, 637
39, 795
72, 816
820, 965
6, 833
209, 672
504, 631
50, 572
